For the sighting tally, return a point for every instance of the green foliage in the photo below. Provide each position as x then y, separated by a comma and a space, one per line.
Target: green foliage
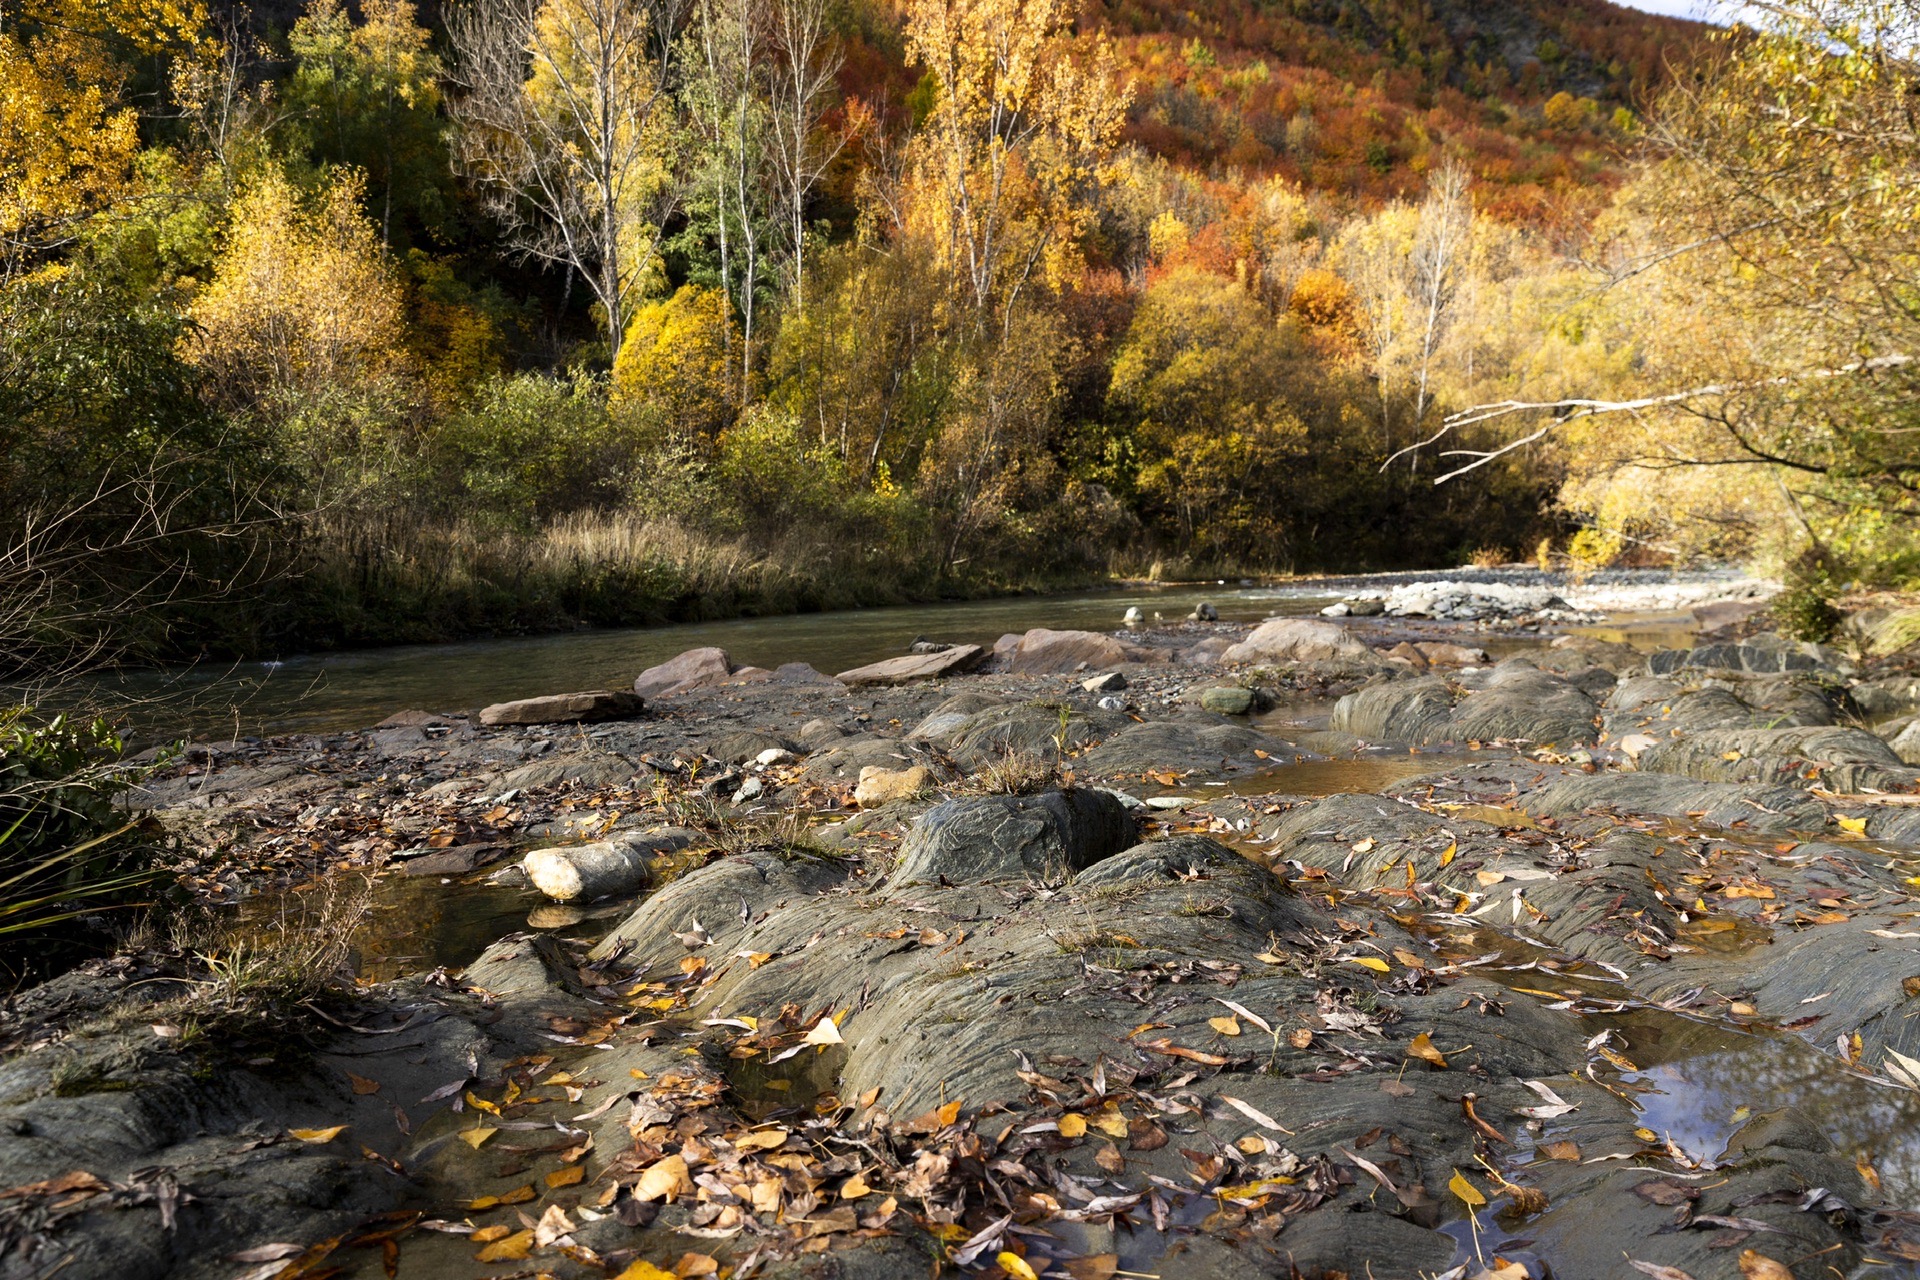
531, 447
64, 852
1804, 608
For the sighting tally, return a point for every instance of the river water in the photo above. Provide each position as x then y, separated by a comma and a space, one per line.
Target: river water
326, 692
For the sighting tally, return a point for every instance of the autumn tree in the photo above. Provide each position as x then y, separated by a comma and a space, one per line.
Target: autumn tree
303, 323
1771, 254
67, 134
1020, 135
564, 119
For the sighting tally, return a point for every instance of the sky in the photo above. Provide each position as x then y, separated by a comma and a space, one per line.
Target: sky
1700, 9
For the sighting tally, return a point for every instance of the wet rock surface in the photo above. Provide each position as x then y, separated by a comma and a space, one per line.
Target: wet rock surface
1132, 988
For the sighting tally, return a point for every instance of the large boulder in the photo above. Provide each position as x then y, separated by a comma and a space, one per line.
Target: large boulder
1768, 654
1046, 837
1044, 652
1840, 759
623, 864
564, 708
916, 666
1516, 702
695, 669
1297, 640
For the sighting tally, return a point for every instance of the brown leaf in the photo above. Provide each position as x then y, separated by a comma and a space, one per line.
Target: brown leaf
1110, 1159
362, 1085
664, 1180
1667, 1194
1173, 1050
566, 1177
1100, 1266
1561, 1150
1755, 1265
1657, 1271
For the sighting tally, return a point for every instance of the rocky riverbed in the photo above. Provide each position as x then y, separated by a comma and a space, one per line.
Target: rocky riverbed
1313, 949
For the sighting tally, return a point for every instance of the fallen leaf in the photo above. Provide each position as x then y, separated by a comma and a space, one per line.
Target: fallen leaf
1374, 963
362, 1085
475, 1138
519, 1195
1856, 825
664, 1179
1468, 1194
1561, 1150
1256, 1115
485, 1235
1225, 1026
566, 1177
855, 1187
1173, 1050
1015, 1266
1421, 1047
644, 1270
1100, 1266
1073, 1126
1110, 1159
761, 1140
1446, 855
1300, 1037
1657, 1271
824, 1032
513, 1247
318, 1136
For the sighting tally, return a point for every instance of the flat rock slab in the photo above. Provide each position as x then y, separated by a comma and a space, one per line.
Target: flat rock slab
565, 708
916, 666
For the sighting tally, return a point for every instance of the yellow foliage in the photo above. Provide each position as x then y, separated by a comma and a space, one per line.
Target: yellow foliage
675, 359
1020, 134
67, 140
303, 303
1167, 236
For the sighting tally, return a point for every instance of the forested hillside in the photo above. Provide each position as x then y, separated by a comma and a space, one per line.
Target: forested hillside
335, 324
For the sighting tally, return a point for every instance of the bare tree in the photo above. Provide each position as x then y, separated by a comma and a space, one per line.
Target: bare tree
564, 119
805, 59
1439, 252
726, 100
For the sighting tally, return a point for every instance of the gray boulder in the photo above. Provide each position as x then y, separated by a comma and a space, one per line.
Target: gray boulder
695, 669
1297, 640
1047, 837
1043, 652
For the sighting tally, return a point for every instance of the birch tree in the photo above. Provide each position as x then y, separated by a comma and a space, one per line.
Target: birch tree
565, 122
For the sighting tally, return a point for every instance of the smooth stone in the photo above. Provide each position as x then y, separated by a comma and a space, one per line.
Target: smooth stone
1297, 640
878, 785
1227, 700
583, 872
1109, 682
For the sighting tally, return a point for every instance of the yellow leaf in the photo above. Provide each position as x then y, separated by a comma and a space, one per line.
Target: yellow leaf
644, 1270
1856, 825
855, 1187
949, 1113
664, 1179
566, 1177
519, 1195
475, 1138
1446, 857
515, 1246
1111, 1123
1073, 1126
1015, 1266
761, 1140
481, 1104
1421, 1047
318, 1136
1374, 963
824, 1032
1468, 1193
1225, 1026
486, 1235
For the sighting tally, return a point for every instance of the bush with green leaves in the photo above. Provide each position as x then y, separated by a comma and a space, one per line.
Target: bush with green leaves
66, 854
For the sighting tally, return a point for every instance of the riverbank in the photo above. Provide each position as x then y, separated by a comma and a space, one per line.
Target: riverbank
1202, 950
